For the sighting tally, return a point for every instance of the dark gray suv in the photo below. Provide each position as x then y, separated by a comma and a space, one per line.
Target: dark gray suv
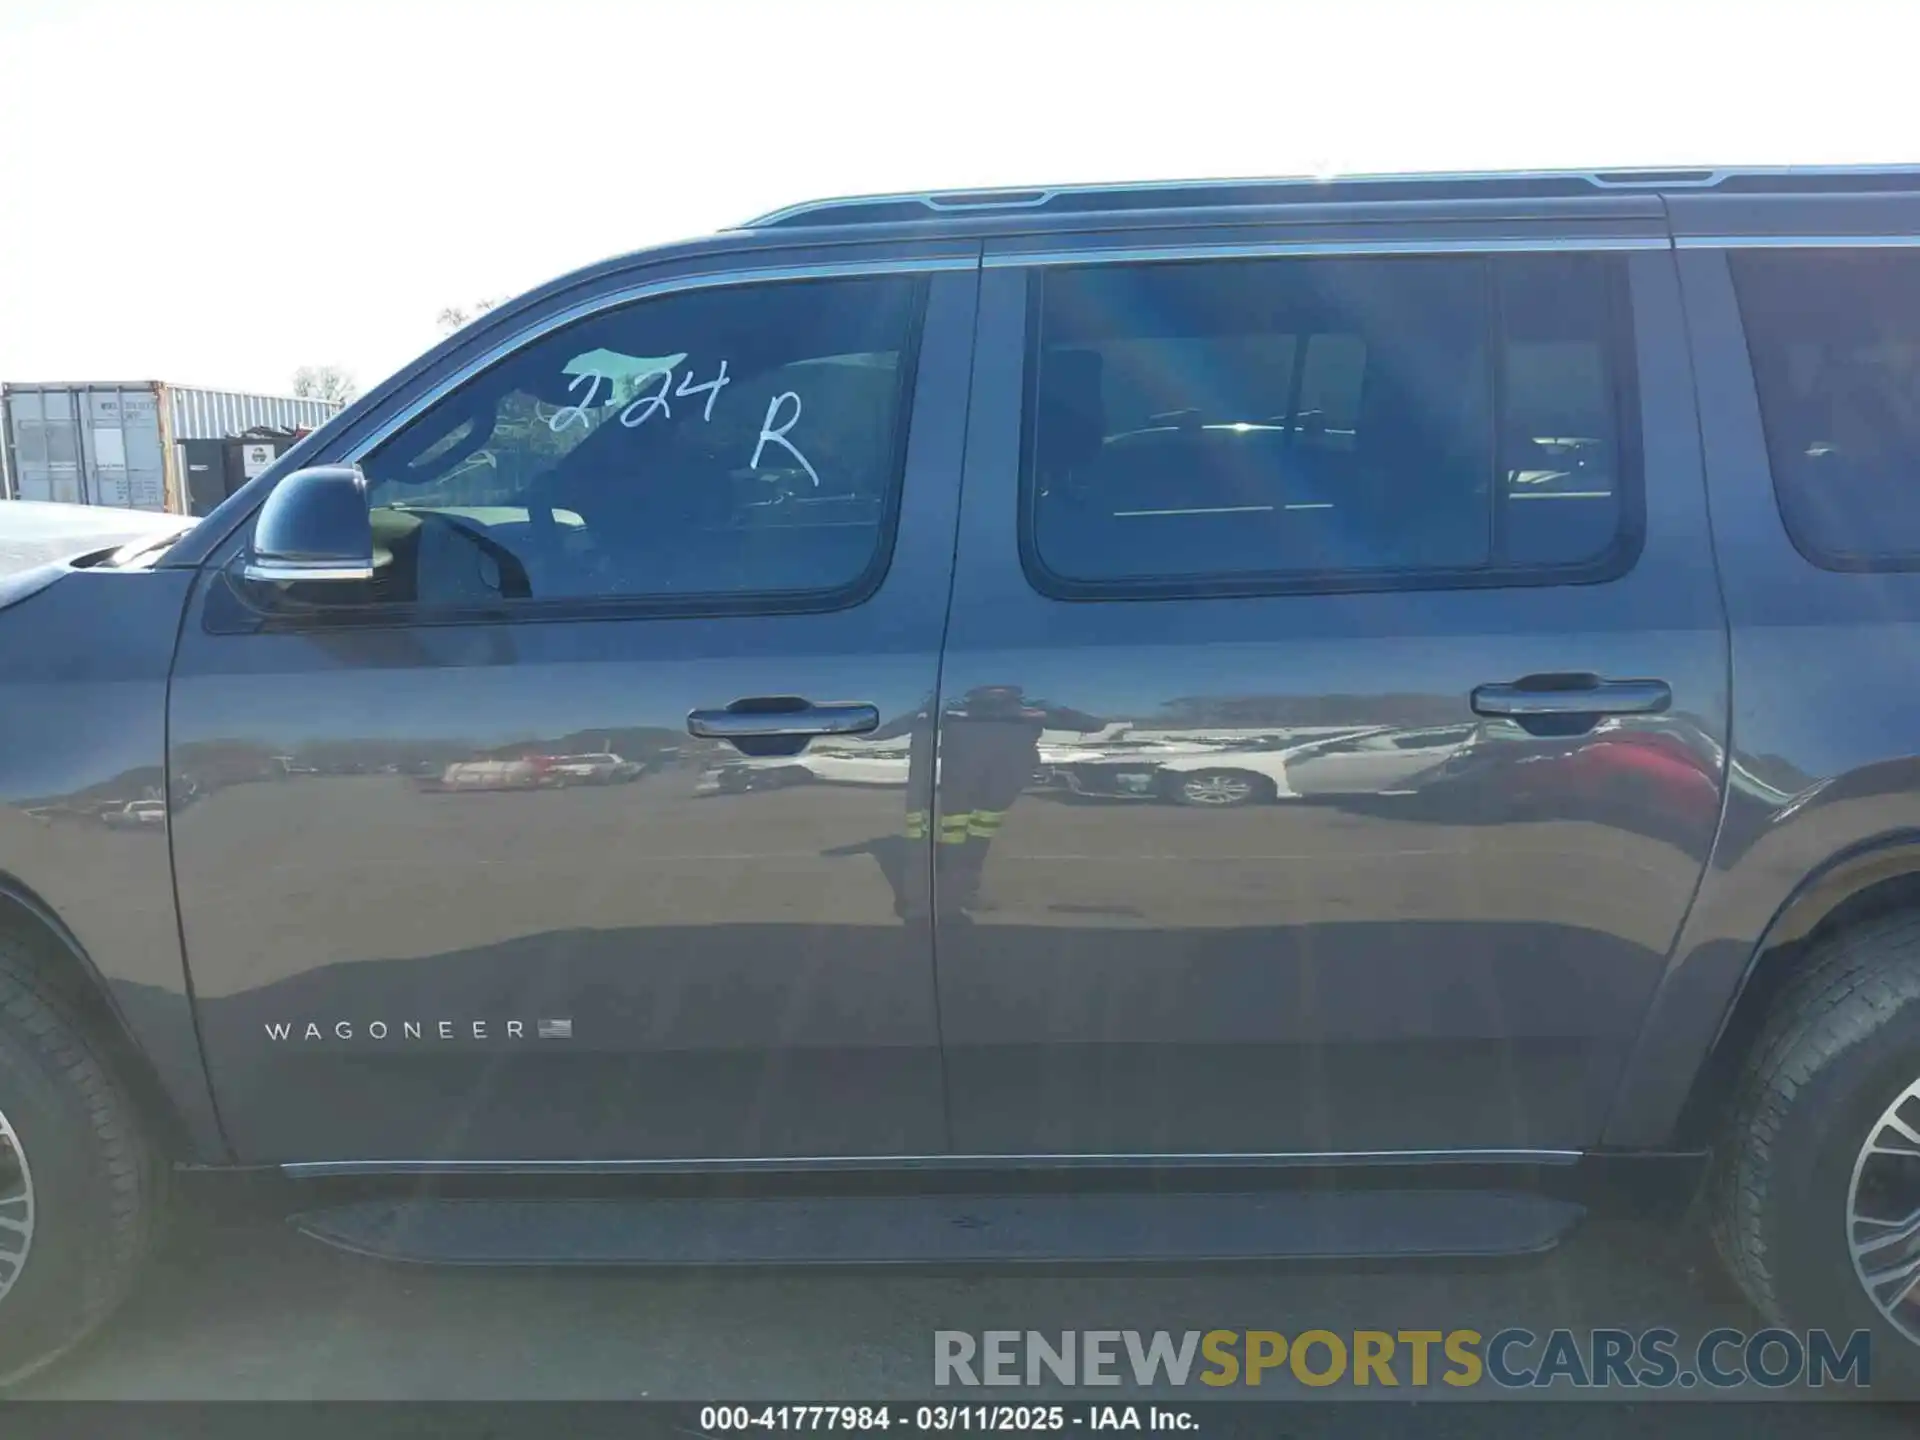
1190, 688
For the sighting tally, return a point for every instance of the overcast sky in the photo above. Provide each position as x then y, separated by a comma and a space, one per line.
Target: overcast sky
215, 194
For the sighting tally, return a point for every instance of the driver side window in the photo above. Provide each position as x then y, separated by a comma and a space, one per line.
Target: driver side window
707, 445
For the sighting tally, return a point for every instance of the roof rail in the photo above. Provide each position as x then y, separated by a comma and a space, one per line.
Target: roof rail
1308, 189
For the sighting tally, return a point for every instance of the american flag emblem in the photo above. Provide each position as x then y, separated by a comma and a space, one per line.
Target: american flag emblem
556, 1029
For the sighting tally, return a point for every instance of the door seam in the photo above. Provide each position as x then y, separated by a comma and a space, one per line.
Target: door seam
935, 705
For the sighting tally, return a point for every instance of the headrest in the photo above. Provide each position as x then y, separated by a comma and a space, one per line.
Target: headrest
1072, 421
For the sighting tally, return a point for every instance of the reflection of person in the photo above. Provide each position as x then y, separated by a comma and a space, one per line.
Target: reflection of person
989, 746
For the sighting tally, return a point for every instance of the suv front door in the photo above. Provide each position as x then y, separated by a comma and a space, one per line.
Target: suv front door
475, 862
1242, 514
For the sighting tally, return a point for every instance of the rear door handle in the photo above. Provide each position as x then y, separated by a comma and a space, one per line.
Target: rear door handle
782, 717
1573, 695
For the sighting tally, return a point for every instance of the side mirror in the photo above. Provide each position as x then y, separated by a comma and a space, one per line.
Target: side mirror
315, 525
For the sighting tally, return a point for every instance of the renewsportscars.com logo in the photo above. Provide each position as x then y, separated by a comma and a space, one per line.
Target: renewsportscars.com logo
1514, 1358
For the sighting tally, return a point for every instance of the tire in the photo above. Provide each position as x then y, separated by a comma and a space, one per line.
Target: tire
1840, 1046
1218, 789
93, 1179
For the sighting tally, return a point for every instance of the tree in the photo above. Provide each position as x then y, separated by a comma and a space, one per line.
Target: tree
454, 316
324, 382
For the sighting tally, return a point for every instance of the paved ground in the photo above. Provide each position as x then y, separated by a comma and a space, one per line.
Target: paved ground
239, 1307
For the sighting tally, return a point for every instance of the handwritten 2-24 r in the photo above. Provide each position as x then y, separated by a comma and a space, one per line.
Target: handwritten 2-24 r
642, 408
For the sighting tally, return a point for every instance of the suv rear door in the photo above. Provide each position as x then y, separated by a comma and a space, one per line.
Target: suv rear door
471, 864
1235, 495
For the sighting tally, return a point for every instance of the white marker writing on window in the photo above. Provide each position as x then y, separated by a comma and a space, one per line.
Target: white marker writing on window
778, 434
652, 403
712, 387
564, 417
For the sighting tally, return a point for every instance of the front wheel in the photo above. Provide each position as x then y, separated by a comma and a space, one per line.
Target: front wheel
1218, 789
1816, 1189
79, 1184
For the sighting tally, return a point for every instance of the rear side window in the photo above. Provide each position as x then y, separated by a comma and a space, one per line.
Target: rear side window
1834, 336
1327, 423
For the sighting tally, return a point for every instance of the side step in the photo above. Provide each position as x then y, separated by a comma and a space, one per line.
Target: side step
948, 1229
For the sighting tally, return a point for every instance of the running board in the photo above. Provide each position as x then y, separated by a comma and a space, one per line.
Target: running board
948, 1229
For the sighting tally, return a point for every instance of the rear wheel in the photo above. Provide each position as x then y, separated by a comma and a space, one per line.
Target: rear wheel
79, 1183
1816, 1187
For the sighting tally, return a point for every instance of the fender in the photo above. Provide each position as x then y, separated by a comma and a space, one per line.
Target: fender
1823, 787
84, 818
182, 1132
1785, 862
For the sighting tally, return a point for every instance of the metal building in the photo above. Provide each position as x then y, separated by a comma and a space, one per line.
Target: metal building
123, 444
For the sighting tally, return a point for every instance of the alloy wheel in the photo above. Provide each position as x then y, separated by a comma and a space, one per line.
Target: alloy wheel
16, 1207
1883, 1213
1217, 790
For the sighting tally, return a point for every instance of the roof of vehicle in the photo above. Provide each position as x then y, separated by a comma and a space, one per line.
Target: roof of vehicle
1122, 199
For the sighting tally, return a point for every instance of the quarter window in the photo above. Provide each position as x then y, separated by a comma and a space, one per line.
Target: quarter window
1348, 423
1834, 336
706, 445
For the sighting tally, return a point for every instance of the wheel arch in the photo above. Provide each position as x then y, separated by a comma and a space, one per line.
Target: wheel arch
1872, 878
62, 963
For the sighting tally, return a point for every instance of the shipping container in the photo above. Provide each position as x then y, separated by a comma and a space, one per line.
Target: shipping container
123, 444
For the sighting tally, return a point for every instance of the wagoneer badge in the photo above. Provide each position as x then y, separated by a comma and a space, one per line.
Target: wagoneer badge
278, 1030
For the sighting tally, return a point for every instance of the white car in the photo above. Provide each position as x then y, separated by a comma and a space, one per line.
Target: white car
1385, 760
599, 768
137, 814
489, 775
1203, 771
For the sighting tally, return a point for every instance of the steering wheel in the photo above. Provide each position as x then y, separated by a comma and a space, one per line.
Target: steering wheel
515, 583
544, 545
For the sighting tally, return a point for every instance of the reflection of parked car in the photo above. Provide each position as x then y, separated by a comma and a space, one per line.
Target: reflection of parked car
137, 814
602, 768
827, 764
742, 774
1635, 768
1379, 761
526, 773
1201, 771
1222, 779
1223, 773
1653, 775
856, 765
1214, 786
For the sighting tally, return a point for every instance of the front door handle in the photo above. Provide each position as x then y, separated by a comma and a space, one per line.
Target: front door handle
782, 717
1552, 695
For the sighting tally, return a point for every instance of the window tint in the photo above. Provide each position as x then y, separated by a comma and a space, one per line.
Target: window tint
711, 443
1835, 340
1323, 420
1560, 499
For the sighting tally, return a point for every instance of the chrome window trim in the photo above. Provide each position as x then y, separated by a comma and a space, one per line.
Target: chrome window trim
1254, 249
546, 325
1796, 242
311, 1169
